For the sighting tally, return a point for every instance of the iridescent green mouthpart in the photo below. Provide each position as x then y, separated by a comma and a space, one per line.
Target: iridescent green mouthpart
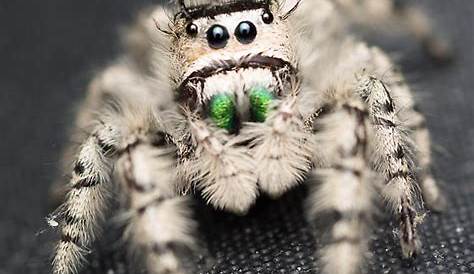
222, 111
260, 100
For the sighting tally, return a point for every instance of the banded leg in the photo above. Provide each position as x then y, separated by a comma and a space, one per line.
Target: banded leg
86, 201
160, 220
346, 192
393, 159
415, 122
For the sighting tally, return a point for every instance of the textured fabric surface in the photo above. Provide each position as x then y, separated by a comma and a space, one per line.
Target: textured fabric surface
49, 50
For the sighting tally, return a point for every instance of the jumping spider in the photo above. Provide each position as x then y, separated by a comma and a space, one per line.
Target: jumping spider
236, 98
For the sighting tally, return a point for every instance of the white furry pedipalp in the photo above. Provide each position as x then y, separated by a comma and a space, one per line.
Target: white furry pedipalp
281, 149
224, 173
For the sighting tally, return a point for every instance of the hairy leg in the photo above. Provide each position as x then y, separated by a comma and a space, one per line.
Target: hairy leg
345, 192
86, 201
160, 220
415, 123
123, 125
394, 160
120, 81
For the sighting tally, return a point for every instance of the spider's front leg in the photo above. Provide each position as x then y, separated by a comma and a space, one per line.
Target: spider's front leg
86, 201
344, 195
415, 123
361, 133
159, 219
393, 159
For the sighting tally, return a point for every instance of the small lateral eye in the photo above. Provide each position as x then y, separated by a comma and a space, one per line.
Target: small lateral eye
192, 29
267, 17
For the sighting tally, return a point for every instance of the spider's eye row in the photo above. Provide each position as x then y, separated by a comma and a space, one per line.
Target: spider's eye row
192, 29
267, 17
246, 32
217, 36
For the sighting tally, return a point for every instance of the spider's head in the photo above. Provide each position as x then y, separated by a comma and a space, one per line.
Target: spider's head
231, 58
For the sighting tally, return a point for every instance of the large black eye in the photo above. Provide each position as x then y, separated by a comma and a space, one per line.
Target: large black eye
267, 17
217, 36
246, 32
192, 29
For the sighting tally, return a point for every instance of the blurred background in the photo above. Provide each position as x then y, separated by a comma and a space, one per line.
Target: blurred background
49, 50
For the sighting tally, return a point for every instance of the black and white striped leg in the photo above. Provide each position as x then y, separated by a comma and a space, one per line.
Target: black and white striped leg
86, 201
160, 220
393, 159
345, 192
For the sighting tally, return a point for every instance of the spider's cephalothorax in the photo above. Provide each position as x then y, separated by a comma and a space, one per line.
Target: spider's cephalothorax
234, 61
238, 98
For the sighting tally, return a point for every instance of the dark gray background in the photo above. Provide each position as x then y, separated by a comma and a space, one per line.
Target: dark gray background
50, 49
